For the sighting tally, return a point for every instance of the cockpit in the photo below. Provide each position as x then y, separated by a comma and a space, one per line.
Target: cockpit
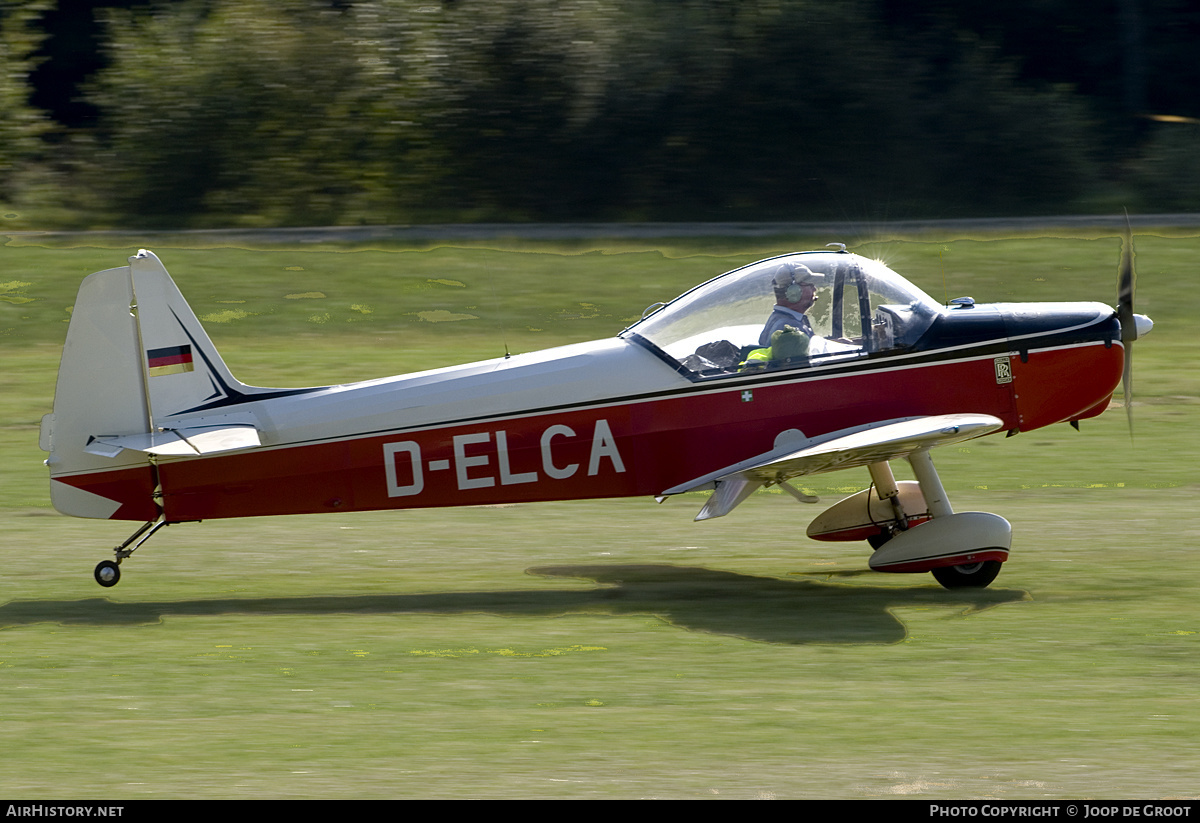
796, 311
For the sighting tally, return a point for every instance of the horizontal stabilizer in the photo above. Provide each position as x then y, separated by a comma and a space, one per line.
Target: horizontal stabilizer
188, 442
861, 446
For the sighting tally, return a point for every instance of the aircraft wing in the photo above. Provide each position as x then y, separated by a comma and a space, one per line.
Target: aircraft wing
846, 449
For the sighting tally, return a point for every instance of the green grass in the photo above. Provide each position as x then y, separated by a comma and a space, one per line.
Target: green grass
601, 648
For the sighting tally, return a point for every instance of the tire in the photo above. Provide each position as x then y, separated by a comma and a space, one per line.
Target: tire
969, 575
877, 540
107, 573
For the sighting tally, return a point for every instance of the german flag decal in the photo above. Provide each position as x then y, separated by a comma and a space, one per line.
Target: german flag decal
170, 360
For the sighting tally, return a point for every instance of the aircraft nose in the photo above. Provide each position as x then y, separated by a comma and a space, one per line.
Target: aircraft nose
1144, 325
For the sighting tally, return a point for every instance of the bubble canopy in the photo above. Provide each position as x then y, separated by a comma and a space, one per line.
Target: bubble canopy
846, 306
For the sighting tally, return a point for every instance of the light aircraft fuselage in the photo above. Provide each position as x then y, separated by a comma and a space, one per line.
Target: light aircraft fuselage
150, 425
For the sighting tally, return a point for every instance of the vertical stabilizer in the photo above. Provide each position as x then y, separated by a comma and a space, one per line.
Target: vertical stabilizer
135, 356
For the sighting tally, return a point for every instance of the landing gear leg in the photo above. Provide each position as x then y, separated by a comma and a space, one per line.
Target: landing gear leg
983, 566
108, 572
931, 484
885, 486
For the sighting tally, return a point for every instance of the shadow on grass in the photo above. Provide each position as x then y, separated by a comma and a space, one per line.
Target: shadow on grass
764, 609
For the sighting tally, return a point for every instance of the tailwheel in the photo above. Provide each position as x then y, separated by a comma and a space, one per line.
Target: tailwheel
107, 573
968, 575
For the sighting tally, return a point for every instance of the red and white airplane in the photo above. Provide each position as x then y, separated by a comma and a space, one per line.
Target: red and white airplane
150, 425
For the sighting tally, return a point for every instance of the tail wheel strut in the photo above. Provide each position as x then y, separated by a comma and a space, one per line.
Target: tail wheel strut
108, 572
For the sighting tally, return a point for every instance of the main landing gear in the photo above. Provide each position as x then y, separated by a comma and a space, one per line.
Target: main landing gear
962, 550
912, 528
108, 572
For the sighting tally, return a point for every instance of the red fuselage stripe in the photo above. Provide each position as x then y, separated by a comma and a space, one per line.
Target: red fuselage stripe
623, 449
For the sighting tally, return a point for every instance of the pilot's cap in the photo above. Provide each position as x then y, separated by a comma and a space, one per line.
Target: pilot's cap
795, 273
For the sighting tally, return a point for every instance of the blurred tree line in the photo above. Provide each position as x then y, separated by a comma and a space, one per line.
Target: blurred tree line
292, 112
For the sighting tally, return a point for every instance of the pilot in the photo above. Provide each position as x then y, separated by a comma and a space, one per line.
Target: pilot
795, 292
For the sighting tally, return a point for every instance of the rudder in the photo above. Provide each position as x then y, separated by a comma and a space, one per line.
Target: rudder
182, 371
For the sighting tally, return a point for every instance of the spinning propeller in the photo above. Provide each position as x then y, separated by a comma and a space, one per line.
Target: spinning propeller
1133, 325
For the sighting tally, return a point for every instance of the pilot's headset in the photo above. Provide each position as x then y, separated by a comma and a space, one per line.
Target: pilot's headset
790, 279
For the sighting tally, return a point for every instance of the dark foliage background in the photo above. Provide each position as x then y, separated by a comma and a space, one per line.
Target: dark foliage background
248, 112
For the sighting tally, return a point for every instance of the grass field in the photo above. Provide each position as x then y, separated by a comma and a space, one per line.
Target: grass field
608, 649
